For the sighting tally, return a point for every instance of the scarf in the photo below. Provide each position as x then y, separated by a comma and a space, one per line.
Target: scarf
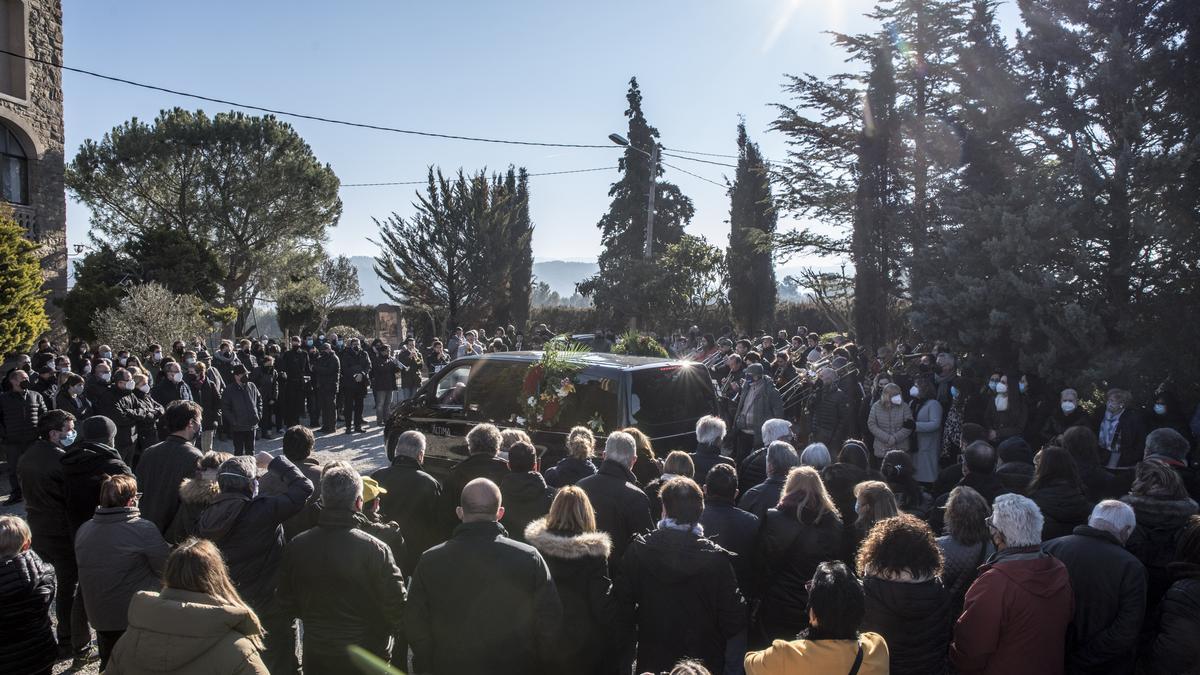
670, 524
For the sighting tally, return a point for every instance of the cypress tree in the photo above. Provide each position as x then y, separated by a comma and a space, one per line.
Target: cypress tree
752, 219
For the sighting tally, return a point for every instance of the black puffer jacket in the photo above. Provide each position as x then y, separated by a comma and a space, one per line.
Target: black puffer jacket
1063, 506
579, 567
208, 395
526, 498
1159, 521
752, 470
622, 510
26, 593
326, 372
569, 471
414, 500
1175, 649
249, 532
1109, 584
85, 466
20, 412
830, 416
344, 584
914, 618
678, 598
788, 554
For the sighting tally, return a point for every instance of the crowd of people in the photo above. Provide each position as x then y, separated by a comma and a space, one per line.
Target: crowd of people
910, 513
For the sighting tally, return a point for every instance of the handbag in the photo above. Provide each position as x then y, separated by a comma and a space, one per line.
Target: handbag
857, 661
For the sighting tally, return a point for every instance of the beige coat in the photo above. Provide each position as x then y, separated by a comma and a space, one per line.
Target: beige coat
886, 423
185, 633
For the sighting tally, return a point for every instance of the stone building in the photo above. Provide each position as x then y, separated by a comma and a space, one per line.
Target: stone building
31, 140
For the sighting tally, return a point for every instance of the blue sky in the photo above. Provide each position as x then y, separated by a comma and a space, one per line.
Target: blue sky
546, 71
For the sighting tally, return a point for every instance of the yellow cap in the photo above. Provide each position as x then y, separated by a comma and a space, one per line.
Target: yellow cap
372, 489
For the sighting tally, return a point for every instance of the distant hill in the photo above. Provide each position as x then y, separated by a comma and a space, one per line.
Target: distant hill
561, 275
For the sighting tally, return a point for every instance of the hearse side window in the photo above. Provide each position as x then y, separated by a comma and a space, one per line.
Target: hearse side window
593, 394
496, 389
670, 394
452, 388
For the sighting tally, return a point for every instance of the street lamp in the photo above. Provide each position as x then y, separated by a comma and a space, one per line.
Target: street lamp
653, 155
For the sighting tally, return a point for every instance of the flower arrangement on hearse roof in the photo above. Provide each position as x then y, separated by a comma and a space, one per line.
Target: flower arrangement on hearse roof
547, 384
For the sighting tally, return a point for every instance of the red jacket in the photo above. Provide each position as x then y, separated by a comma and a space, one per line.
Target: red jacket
1015, 617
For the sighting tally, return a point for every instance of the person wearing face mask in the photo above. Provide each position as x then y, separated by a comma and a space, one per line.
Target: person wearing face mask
829, 411
147, 428
248, 529
71, 397
1166, 412
21, 410
241, 410
165, 465
208, 394
295, 372
97, 386
1069, 414
890, 422
927, 428
267, 378
356, 375
127, 411
1122, 432
41, 474
154, 354
171, 387
758, 401
1006, 414
224, 361
46, 384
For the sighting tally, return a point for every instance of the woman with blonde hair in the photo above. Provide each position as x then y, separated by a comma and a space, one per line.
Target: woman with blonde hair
509, 438
802, 531
873, 502
577, 556
648, 466
197, 624
678, 463
891, 422
577, 465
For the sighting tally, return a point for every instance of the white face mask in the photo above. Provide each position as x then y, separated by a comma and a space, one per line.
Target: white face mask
1068, 407
1001, 388
127, 385
897, 399
145, 389
913, 391
105, 377
177, 377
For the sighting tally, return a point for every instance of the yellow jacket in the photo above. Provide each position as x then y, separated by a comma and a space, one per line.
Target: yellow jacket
820, 657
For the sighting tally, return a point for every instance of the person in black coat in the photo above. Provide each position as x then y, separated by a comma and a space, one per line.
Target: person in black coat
515, 613
803, 531
577, 465
1121, 431
677, 592
979, 461
753, 469
207, 392
366, 605
622, 509
779, 459
171, 385
126, 411
1174, 648
1068, 414
356, 375
710, 433
483, 444
577, 556
295, 372
526, 495
241, 410
165, 465
901, 568
1058, 493
413, 499
840, 477
829, 411
86, 464
728, 526
1098, 483
1016, 464
1163, 508
248, 529
46, 384
384, 369
327, 375
71, 398
678, 463
266, 379
1109, 584
20, 412
26, 593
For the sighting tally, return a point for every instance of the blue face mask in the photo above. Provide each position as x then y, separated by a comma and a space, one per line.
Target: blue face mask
1021, 387
856, 507
992, 385
1160, 409
953, 391
308, 342
68, 438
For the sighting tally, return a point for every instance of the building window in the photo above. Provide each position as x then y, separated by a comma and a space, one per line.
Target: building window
14, 169
14, 70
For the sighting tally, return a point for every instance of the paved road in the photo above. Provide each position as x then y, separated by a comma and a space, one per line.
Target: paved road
365, 451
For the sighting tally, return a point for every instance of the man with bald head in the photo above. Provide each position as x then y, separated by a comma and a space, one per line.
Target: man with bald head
481, 602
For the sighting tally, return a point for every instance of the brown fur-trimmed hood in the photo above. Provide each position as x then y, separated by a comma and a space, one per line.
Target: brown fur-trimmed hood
198, 490
588, 544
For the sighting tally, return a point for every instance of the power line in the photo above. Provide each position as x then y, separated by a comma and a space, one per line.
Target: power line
693, 175
705, 154
532, 175
285, 113
704, 161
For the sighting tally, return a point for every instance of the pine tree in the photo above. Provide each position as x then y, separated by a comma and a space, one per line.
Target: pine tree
752, 219
22, 301
522, 269
623, 288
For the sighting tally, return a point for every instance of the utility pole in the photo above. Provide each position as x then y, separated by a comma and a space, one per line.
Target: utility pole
650, 202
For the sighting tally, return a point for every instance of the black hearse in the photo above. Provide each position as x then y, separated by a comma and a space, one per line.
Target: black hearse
661, 397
